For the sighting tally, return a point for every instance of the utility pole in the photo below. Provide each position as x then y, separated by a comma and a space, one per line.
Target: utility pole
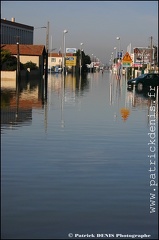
18, 61
17, 77
151, 54
47, 37
46, 63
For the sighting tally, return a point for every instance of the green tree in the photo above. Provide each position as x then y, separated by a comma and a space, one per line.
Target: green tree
85, 60
30, 65
5, 55
8, 62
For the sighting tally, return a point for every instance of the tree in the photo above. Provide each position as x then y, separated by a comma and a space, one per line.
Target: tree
5, 55
30, 65
85, 60
8, 62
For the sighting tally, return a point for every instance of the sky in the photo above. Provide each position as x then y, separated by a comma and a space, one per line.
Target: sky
96, 24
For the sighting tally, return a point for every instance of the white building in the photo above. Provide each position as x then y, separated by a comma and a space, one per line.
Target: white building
55, 60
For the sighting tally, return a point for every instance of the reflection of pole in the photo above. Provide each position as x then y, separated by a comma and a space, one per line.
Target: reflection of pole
17, 101
81, 58
80, 83
46, 116
133, 102
62, 98
110, 93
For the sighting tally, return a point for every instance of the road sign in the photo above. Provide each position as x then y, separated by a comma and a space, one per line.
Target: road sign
71, 50
126, 64
126, 58
71, 61
119, 55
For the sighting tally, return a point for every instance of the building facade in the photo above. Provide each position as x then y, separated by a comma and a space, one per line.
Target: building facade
11, 32
55, 60
28, 53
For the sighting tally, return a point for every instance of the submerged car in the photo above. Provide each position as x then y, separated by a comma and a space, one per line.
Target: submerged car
144, 81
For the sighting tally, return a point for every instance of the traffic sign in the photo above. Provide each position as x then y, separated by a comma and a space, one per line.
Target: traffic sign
127, 58
126, 64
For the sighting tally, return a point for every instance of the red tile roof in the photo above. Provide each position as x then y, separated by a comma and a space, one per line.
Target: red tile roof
29, 50
59, 54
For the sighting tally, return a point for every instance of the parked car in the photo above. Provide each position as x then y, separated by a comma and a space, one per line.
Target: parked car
59, 69
144, 81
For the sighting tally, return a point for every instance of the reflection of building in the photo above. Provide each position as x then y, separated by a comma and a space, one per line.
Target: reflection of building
17, 108
10, 116
11, 29
142, 101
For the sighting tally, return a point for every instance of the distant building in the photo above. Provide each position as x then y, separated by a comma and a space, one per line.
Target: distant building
10, 30
55, 59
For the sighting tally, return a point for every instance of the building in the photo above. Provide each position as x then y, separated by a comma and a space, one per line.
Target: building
28, 53
55, 60
33, 53
11, 32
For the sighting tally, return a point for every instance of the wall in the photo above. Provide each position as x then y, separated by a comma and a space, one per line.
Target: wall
58, 62
24, 75
34, 59
8, 74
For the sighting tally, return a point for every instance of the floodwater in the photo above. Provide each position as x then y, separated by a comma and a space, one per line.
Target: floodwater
81, 163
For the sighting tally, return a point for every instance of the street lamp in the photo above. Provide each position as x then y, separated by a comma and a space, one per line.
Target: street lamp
80, 57
115, 48
64, 51
92, 57
91, 63
47, 32
118, 38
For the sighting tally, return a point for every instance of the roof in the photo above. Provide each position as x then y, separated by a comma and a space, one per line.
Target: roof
24, 49
15, 24
59, 54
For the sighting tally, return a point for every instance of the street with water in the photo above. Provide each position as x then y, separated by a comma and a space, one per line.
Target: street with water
81, 163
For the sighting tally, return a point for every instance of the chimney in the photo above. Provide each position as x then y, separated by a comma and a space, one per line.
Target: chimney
13, 19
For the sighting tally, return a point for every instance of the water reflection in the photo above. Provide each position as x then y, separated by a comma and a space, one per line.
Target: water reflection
17, 101
78, 169
69, 88
17, 105
128, 100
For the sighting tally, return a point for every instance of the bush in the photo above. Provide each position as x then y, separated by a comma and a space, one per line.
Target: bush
9, 62
30, 65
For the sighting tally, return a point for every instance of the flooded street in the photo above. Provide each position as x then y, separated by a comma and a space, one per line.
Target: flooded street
80, 162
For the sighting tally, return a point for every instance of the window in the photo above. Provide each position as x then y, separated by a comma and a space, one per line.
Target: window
53, 59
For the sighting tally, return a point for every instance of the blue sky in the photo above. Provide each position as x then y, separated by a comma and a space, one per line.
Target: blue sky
94, 23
